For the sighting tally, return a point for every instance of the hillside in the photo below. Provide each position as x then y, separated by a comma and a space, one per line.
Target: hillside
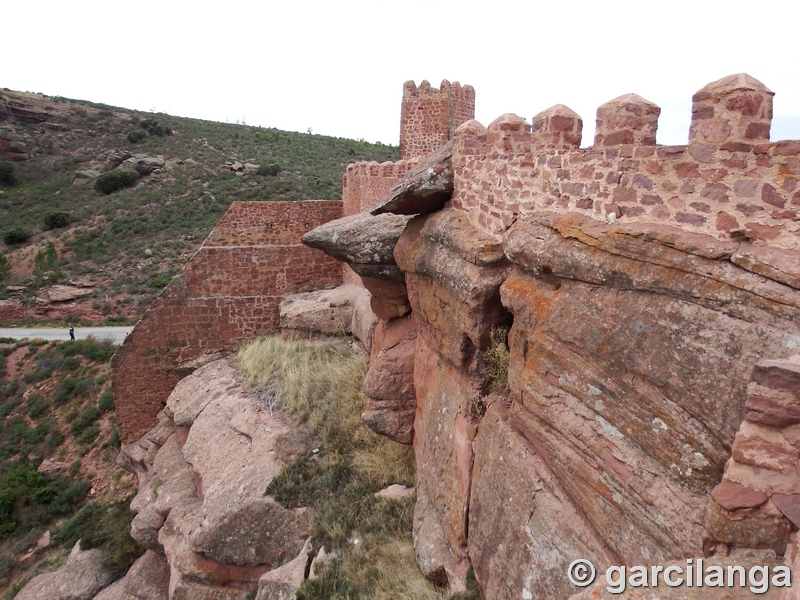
58, 443
118, 250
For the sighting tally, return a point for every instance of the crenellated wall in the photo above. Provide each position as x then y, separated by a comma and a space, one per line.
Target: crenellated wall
229, 291
729, 181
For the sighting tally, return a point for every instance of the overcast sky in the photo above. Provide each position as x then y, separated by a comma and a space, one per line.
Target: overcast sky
339, 67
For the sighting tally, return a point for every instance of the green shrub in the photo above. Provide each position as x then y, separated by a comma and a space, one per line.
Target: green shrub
93, 349
37, 405
55, 219
107, 527
84, 421
106, 401
5, 268
114, 438
160, 281
8, 175
89, 435
134, 137
154, 128
15, 235
71, 387
115, 180
270, 170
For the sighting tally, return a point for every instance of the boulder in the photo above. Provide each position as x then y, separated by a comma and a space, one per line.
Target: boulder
425, 188
282, 583
81, 578
84, 177
363, 241
143, 164
147, 579
61, 293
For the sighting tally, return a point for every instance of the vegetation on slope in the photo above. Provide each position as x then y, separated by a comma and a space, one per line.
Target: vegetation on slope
58, 445
130, 241
319, 383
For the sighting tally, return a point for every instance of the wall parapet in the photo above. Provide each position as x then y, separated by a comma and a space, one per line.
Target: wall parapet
728, 181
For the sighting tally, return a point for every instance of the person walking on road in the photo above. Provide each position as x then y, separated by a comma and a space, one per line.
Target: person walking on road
71, 332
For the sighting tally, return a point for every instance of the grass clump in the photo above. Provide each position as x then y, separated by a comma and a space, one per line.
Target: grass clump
320, 383
496, 360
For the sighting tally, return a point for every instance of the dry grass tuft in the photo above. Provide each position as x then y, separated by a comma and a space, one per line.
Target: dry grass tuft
320, 384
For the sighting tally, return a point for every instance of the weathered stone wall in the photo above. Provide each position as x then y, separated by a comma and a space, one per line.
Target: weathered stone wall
429, 116
229, 291
729, 181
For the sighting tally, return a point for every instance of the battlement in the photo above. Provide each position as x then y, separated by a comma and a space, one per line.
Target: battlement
728, 181
429, 116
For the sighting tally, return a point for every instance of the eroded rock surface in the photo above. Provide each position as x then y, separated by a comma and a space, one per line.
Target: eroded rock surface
81, 578
630, 355
363, 241
203, 473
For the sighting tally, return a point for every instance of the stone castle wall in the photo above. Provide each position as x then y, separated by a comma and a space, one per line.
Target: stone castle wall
730, 181
229, 291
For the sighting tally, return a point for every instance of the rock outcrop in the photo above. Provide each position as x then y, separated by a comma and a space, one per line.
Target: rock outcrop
203, 472
81, 578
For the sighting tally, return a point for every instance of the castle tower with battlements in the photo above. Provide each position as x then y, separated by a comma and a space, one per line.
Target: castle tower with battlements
429, 116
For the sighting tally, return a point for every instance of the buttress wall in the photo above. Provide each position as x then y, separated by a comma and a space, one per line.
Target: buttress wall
729, 181
228, 292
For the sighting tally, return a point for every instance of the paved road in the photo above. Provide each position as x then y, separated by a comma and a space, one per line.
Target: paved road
115, 334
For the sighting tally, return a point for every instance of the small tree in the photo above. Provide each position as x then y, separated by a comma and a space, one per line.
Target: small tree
46, 259
5, 268
15, 235
7, 174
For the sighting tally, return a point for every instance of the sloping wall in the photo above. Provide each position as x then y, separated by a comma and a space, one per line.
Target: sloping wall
229, 291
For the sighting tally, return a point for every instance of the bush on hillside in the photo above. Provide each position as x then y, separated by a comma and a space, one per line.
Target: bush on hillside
134, 137
56, 219
154, 128
15, 235
270, 170
117, 179
7, 174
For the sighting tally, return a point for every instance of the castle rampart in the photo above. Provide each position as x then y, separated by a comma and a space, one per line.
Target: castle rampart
229, 291
728, 181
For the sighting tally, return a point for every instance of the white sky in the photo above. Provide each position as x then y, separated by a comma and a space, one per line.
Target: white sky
339, 67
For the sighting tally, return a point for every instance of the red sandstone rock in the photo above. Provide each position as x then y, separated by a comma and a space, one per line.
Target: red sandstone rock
424, 189
754, 529
147, 579
282, 583
82, 576
365, 242
734, 496
389, 385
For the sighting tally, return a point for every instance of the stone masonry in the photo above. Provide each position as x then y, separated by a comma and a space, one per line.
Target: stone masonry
428, 117
229, 291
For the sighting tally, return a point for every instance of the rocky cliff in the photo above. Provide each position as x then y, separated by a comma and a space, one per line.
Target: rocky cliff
649, 415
